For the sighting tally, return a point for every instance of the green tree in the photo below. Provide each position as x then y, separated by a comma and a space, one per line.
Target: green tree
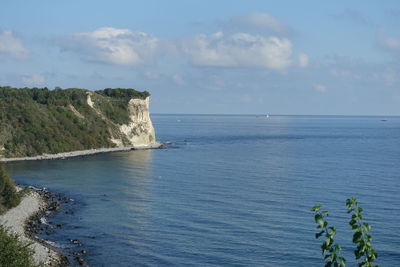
8, 195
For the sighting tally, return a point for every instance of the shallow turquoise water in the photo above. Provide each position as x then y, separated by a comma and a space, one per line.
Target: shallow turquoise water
230, 190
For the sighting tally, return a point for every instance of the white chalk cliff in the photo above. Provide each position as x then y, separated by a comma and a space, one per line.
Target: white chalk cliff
138, 132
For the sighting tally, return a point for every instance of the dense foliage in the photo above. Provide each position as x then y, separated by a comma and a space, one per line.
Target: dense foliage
14, 252
123, 93
331, 251
38, 120
8, 196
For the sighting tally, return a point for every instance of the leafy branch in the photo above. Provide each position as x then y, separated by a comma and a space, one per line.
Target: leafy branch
361, 235
331, 251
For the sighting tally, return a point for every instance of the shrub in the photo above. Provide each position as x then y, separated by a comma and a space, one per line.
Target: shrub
14, 252
8, 195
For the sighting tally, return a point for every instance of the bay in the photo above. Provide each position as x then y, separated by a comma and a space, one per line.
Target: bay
229, 190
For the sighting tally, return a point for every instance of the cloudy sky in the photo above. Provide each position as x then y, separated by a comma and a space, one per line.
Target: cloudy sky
230, 57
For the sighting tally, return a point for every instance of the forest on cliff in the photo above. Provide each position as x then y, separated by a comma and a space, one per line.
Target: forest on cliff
35, 121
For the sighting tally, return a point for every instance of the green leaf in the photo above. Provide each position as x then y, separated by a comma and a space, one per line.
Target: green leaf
367, 226
316, 208
318, 217
357, 237
317, 235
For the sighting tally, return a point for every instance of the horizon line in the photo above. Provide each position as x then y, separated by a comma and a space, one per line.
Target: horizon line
263, 114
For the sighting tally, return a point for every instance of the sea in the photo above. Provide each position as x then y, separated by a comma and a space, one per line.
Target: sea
228, 190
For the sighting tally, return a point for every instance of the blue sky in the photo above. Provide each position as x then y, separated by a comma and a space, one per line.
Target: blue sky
230, 57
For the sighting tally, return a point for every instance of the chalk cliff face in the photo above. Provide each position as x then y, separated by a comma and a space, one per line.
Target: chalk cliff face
140, 130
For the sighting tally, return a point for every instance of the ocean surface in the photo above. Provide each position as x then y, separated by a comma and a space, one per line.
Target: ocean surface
229, 191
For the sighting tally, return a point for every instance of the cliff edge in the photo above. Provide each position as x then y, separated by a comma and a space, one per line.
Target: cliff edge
38, 121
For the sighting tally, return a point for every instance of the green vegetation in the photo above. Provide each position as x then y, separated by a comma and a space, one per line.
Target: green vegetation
361, 236
38, 120
127, 93
14, 252
331, 251
8, 195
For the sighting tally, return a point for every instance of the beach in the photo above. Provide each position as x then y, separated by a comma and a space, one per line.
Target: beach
87, 152
16, 220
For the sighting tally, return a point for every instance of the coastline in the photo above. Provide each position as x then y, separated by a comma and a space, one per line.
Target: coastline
88, 152
17, 219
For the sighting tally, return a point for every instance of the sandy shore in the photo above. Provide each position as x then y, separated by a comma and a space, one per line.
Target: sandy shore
15, 220
84, 152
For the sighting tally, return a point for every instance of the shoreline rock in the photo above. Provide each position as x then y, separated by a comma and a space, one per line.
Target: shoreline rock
87, 152
20, 220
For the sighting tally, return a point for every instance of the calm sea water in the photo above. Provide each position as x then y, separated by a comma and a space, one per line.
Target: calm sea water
230, 190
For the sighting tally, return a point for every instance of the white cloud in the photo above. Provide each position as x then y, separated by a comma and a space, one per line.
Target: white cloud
388, 43
10, 46
34, 79
391, 43
303, 60
151, 75
115, 46
258, 20
178, 79
239, 50
320, 88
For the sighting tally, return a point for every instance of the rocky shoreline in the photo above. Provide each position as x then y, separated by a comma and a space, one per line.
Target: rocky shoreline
31, 220
88, 152
36, 224
39, 225
34, 206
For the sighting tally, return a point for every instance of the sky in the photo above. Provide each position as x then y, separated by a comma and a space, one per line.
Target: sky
212, 57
